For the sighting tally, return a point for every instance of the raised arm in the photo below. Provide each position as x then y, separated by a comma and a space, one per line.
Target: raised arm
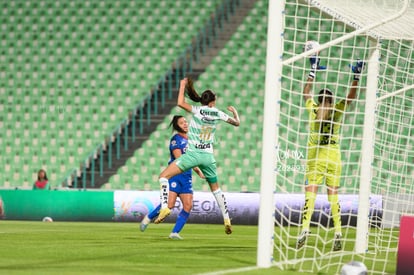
307, 90
235, 120
357, 69
352, 92
181, 98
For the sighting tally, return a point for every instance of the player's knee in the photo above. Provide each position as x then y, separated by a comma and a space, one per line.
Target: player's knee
188, 207
164, 174
214, 186
212, 180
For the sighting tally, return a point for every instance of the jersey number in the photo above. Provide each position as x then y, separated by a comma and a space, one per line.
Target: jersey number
326, 127
326, 132
205, 133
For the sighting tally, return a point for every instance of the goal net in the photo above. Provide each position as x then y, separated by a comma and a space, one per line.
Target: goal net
376, 134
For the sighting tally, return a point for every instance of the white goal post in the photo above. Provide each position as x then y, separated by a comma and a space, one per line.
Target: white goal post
272, 85
381, 33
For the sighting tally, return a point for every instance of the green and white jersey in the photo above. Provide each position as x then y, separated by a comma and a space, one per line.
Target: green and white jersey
203, 127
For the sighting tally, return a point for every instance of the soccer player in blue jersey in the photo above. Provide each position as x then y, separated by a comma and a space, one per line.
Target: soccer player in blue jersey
181, 184
200, 146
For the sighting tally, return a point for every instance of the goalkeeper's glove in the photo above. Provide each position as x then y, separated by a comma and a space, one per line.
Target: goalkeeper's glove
357, 69
314, 61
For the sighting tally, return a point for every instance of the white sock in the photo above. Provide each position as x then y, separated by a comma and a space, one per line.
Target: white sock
221, 201
164, 189
146, 220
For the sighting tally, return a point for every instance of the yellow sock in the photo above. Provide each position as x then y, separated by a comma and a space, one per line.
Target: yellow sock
336, 212
308, 208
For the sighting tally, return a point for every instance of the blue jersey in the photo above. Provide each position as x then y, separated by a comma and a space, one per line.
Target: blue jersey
181, 143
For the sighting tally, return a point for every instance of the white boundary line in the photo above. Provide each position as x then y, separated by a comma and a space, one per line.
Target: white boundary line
274, 264
229, 271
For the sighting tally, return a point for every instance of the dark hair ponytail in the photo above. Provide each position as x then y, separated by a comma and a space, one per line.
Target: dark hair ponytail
174, 124
191, 92
206, 97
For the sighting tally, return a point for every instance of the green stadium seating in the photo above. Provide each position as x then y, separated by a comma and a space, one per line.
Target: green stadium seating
237, 75
71, 72
238, 150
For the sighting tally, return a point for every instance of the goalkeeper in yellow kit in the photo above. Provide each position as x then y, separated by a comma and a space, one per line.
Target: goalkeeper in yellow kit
324, 156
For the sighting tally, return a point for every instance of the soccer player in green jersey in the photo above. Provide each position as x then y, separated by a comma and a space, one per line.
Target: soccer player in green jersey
200, 146
324, 156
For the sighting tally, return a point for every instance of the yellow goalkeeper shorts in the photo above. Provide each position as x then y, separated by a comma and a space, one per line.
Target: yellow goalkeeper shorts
324, 161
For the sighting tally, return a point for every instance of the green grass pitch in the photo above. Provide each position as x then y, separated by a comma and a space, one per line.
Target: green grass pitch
120, 248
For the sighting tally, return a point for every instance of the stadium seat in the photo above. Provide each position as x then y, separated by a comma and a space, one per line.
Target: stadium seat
238, 164
75, 69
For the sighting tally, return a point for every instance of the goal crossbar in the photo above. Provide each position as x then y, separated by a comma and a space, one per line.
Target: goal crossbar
400, 91
347, 36
369, 34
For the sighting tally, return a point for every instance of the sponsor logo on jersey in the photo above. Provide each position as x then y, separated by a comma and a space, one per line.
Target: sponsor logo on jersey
208, 113
202, 146
207, 120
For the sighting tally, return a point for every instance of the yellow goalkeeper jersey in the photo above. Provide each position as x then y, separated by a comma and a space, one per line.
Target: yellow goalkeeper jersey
327, 131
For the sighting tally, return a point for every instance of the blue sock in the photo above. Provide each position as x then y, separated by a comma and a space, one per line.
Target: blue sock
181, 220
154, 213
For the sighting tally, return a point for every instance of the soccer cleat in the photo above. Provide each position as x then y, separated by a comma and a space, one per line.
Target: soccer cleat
144, 223
175, 236
337, 242
163, 214
302, 239
227, 227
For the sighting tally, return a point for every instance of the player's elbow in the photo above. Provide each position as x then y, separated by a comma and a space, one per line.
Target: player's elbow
180, 103
183, 106
234, 122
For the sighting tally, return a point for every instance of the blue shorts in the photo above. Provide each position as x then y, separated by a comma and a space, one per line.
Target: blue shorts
181, 184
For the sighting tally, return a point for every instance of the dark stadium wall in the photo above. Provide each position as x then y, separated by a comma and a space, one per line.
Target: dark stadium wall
132, 206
